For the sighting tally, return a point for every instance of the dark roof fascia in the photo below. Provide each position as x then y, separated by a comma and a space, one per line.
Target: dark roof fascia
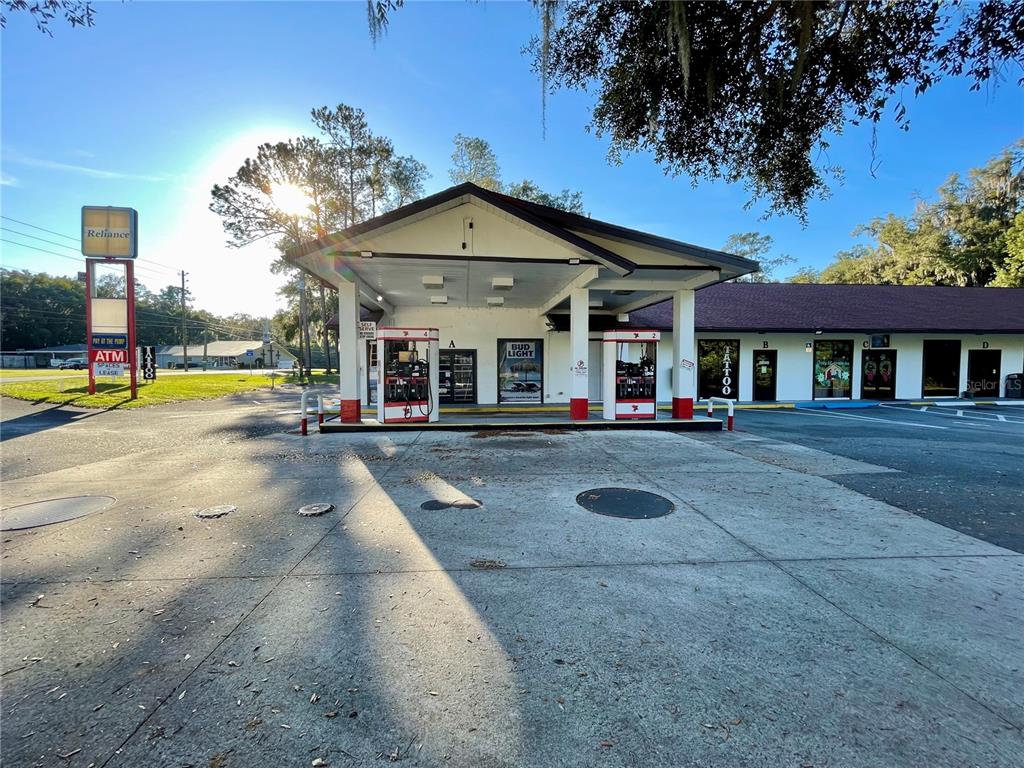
598, 227
681, 268
385, 255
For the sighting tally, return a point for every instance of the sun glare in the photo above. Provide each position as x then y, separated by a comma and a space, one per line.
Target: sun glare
290, 199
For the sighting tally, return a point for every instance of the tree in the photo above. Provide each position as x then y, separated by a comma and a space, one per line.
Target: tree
964, 237
806, 275
750, 92
567, 200
756, 247
473, 160
38, 311
1011, 272
308, 187
77, 13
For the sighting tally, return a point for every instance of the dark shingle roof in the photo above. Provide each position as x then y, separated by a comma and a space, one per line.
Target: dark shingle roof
862, 308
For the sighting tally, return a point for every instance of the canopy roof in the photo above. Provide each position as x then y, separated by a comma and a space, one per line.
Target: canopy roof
471, 247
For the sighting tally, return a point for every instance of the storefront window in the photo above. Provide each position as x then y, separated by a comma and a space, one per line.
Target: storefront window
520, 371
941, 368
718, 373
833, 364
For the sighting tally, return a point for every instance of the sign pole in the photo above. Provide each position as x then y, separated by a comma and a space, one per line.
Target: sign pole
133, 362
88, 325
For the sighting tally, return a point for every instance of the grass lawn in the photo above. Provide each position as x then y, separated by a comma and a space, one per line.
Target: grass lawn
21, 373
115, 394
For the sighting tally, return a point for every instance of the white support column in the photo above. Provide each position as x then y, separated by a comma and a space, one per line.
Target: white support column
348, 350
684, 356
579, 347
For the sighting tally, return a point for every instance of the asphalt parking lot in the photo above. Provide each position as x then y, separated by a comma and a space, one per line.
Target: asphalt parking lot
776, 617
961, 466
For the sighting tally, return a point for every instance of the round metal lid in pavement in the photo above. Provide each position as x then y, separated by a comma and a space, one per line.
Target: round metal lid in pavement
52, 511
314, 510
625, 502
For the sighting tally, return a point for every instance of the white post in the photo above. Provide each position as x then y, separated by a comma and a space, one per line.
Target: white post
684, 356
348, 350
579, 347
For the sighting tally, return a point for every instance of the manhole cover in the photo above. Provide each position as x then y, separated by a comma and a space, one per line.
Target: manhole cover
312, 510
52, 511
625, 502
435, 505
209, 513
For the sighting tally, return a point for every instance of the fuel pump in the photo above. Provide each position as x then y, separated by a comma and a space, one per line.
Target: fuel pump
407, 374
630, 365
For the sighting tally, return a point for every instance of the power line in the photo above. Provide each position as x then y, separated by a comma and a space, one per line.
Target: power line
77, 240
151, 276
41, 250
41, 229
35, 237
154, 274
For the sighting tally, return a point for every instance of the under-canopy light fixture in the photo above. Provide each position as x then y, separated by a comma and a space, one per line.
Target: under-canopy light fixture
574, 261
438, 299
597, 303
433, 281
495, 301
380, 297
502, 283
622, 317
366, 254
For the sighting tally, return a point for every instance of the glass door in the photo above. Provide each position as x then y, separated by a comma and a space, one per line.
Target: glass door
878, 374
457, 376
983, 372
833, 362
765, 374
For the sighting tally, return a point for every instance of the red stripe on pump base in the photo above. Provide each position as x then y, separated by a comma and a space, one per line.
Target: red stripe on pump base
578, 409
682, 407
349, 411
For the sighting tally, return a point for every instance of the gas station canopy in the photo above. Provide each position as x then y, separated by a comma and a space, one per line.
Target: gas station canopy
497, 268
471, 247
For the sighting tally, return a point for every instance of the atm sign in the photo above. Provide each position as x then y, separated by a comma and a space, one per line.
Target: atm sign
110, 356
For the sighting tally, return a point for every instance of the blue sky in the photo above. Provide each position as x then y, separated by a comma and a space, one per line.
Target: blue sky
160, 100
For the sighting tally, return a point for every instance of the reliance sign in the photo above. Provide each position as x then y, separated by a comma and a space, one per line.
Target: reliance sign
109, 233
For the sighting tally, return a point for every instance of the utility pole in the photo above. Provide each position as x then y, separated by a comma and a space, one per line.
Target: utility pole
184, 334
206, 342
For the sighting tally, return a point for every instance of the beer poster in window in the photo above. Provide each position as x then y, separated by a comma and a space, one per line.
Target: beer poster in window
520, 371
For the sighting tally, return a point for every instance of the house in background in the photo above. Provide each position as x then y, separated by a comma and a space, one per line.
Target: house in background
227, 354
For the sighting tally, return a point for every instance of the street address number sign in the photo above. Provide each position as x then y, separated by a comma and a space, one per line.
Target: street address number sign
109, 233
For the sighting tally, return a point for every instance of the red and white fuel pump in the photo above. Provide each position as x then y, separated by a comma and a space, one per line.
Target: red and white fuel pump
407, 374
630, 386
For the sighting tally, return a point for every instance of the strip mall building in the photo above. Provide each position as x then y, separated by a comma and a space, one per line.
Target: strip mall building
521, 295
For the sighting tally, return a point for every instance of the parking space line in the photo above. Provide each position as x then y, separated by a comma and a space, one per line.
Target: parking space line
983, 416
803, 412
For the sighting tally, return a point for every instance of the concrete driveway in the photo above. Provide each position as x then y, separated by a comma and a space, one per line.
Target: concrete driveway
774, 619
